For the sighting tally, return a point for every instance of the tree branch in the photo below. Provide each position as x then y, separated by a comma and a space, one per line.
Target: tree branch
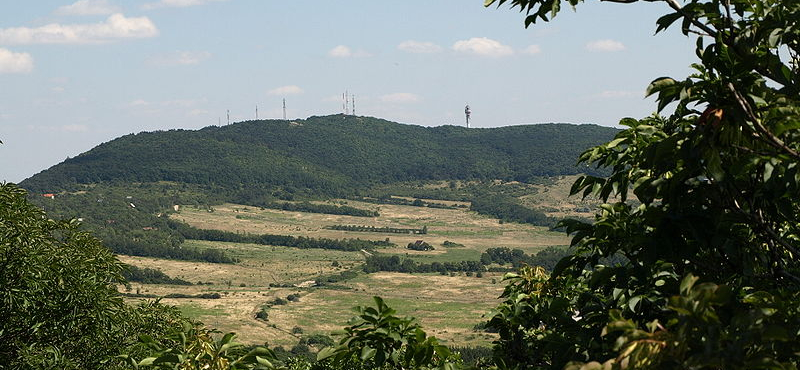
678, 8
770, 138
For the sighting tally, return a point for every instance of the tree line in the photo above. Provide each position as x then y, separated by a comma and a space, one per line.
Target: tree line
190, 232
374, 229
547, 258
331, 209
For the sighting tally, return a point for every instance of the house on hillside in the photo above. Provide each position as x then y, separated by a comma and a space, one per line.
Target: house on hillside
49, 195
420, 245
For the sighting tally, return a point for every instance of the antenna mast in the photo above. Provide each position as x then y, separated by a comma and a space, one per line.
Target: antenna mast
256, 111
467, 112
284, 109
354, 104
228, 113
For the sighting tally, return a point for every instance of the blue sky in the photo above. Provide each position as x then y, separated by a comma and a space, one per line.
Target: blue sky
76, 74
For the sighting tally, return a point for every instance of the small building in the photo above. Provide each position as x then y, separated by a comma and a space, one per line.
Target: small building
420, 245
49, 195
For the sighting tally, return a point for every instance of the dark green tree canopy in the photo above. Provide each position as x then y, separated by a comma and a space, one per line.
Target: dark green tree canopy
712, 270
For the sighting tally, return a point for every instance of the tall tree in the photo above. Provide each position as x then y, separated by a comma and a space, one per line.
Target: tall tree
712, 268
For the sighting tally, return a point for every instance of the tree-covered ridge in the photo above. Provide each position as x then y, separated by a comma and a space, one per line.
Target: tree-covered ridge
329, 154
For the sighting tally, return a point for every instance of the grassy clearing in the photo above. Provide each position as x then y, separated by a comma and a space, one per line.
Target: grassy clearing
447, 306
475, 231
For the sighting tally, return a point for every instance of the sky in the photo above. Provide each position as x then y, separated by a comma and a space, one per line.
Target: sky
74, 74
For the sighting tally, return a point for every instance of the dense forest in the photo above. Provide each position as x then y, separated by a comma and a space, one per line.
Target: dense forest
329, 155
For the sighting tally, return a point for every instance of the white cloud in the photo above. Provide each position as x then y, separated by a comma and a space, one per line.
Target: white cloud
116, 27
11, 62
400, 98
419, 47
180, 103
179, 58
605, 45
342, 51
88, 7
483, 46
615, 94
532, 50
57, 89
75, 128
286, 90
176, 3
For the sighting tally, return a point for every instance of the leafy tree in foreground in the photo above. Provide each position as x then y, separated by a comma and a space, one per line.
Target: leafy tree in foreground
59, 307
713, 269
378, 339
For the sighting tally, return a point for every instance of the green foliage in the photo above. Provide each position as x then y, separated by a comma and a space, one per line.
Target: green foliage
194, 348
60, 307
331, 209
374, 229
508, 209
394, 263
257, 161
149, 276
190, 232
378, 337
710, 277
132, 220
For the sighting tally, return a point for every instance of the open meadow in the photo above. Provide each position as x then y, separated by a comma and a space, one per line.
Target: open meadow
448, 306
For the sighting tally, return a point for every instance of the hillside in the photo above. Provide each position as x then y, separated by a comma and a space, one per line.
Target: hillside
329, 155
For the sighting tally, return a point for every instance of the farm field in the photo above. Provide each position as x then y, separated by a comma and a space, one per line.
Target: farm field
448, 306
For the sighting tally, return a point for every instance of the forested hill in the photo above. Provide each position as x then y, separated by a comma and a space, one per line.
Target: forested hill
328, 154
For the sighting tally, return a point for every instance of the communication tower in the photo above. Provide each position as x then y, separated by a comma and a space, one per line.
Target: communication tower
467, 112
284, 109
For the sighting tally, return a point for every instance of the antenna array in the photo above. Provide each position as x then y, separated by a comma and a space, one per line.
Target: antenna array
467, 112
348, 103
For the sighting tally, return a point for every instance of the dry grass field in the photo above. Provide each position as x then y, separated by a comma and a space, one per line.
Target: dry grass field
447, 306
476, 232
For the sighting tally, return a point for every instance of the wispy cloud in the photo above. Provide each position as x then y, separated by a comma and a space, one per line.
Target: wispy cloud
400, 98
616, 94
532, 50
11, 62
179, 58
343, 51
286, 90
484, 47
419, 47
605, 45
116, 27
75, 128
88, 7
176, 3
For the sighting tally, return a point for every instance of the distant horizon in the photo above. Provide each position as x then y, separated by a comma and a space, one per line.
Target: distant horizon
79, 73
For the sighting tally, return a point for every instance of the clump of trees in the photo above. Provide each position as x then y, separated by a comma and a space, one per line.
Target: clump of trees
373, 229
331, 209
508, 209
150, 276
58, 287
711, 275
191, 232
